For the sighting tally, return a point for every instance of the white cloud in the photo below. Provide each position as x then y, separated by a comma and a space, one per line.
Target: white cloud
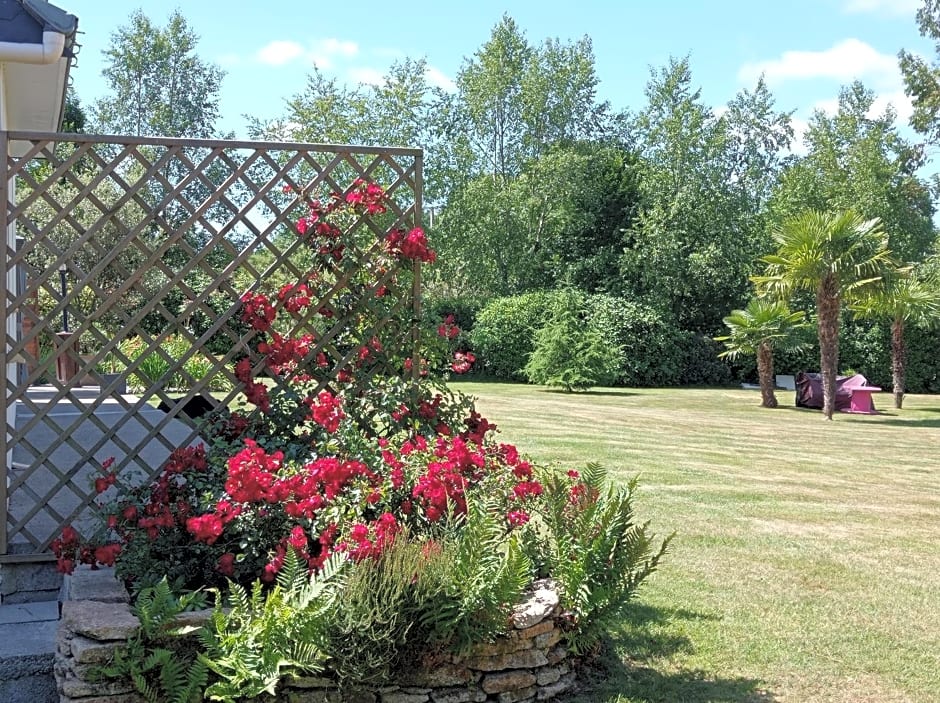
846, 61
901, 103
279, 52
893, 7
800, 127
324, 51
438, 78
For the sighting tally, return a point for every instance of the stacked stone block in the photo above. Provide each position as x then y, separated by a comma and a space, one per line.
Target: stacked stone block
530, 663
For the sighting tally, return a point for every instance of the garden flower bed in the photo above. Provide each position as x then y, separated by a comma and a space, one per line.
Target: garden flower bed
352, 519
528, 662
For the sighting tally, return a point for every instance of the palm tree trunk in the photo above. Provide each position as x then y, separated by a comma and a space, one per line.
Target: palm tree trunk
897, 361
765, 372
827, 310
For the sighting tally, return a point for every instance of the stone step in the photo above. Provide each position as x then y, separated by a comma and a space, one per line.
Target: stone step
28, 581
27, 645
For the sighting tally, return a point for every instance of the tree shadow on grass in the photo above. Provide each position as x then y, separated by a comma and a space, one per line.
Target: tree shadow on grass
886, 417
900, 422
643, 683
588, 393
626, 666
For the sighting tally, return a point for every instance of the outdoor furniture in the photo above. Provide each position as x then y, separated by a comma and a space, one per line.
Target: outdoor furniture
861, 400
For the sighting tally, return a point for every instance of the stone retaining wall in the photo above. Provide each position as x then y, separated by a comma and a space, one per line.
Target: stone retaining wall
531, 663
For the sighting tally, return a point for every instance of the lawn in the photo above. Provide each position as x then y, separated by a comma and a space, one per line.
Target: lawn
806, 565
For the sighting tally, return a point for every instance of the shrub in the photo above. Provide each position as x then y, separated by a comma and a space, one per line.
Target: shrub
464, 310
440, 526
923, 362
865, 347
650, 353
504, 333
700, 364
568, 352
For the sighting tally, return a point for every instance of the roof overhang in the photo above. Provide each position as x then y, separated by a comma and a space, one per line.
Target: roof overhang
37, 49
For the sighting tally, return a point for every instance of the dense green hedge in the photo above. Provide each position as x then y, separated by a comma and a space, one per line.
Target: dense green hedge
655, 351
865, 348
503, 335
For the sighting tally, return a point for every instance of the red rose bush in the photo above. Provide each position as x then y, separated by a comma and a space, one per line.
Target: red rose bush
348, 443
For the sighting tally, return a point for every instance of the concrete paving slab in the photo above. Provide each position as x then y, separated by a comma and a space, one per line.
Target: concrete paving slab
27, 641
61, 482
29, 612
27, 651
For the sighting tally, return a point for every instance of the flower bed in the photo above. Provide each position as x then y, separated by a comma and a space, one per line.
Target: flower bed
529, 662
354, 515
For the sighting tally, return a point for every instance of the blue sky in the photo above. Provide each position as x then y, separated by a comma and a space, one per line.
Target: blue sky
806, 48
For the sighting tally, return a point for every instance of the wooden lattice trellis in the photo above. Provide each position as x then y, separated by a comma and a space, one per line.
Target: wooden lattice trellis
156, 241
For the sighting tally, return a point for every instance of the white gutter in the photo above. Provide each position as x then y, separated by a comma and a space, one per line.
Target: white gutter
50, 51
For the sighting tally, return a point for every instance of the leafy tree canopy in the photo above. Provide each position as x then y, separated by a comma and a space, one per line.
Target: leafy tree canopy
856, 159
159, 85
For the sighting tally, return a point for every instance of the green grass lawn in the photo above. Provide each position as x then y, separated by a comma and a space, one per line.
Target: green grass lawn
806, 565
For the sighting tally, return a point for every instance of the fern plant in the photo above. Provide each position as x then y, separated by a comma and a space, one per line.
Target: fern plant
268, 634
487, 571
587, 539
161, 663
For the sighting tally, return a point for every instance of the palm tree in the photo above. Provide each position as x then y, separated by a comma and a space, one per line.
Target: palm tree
756, 330
903, 299
833, 255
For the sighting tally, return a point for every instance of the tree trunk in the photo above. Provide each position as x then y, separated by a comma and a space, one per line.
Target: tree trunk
897, 361
765, 372
827, 312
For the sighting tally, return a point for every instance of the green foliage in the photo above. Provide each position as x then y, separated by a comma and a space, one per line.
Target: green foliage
485, 575
159, 86
700, 363
421, 596
702, 187
508, 160
856, 159
378, 622
504, 333
175, 368
514, 100
923, 373
922, 79
266, 635
587, 539
651, 353
865, 346
163, 666
903, 297
463, 308
762, 321
568, 353
834, 255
